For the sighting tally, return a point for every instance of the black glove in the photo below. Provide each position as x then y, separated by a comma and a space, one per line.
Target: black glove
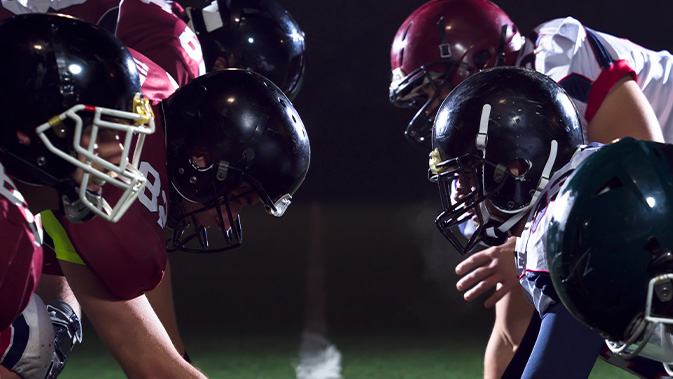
67, 333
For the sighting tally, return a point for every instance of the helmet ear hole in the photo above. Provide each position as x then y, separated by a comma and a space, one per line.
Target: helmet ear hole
518, 167
23, 138
221, 63
481, 59
201, 158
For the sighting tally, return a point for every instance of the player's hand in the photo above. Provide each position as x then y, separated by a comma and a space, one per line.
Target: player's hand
492, 268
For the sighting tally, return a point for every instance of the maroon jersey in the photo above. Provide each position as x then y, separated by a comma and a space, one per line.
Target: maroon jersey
92, 11
153, 28
20, 254
129, 256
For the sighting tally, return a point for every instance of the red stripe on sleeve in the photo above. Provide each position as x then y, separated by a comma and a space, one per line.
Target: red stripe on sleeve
604, 83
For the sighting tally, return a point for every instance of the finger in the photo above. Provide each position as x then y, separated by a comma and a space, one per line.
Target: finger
473, 261
473, 278
480, 289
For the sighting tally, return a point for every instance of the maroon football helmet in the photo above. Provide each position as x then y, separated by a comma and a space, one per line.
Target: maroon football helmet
441, 43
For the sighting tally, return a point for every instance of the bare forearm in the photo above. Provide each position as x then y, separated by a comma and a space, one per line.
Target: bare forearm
512, 315
129, 329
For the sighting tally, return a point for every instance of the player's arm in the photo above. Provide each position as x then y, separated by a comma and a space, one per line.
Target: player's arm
5, 373
512, 314
130, 329
625, 111
161, 299
493, 269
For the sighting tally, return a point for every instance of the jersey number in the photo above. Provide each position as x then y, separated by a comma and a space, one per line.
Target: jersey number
190, 43
153, 188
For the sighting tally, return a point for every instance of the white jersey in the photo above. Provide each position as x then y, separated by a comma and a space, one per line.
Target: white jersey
587, 64
531, 257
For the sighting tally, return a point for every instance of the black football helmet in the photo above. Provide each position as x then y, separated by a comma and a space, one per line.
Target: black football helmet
258, 35
610, 246
253, 137
440, 44
61, 75
505, 131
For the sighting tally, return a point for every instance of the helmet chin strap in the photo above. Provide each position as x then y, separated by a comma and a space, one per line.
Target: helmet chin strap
491, 235
74, 208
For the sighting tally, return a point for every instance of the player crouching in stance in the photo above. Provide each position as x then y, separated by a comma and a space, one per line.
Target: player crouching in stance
73, 113
609, 251
504, 140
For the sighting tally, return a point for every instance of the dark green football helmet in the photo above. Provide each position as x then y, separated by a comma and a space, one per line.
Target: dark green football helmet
609, 245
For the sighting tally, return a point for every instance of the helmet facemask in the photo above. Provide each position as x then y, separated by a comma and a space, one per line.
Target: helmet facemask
186, 227
133, 125
409, 92
467, 207
649, 333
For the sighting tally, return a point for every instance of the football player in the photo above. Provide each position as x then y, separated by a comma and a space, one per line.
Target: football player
258, 35
155, 28
157, 85
444, 41
109, 268
75, 91
511, 136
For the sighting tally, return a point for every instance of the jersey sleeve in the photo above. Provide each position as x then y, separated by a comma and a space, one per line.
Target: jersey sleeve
156, 84
151, 28
579, 59
21, 253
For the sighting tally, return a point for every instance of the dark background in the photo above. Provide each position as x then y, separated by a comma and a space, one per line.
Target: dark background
358, 249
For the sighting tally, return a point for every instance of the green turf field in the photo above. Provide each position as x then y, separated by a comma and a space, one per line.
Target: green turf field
271, 356
377, 284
